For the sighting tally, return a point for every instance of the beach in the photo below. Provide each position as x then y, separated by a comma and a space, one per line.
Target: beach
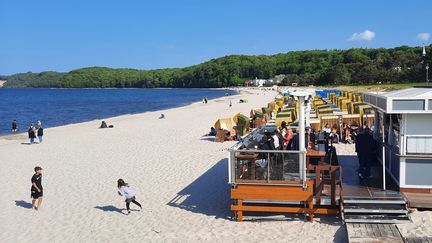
179, 176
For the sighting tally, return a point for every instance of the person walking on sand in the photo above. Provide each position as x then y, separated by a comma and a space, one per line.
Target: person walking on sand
31, 133
36, 188
230, 103
125, 190
40, 133
14, 126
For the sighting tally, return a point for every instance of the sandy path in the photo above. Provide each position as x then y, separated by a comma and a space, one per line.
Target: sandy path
179, 177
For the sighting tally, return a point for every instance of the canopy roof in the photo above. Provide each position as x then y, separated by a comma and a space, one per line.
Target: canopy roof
412, 100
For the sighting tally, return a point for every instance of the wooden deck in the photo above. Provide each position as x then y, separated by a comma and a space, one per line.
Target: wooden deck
369, 188
418, 200
418, 240
383, 233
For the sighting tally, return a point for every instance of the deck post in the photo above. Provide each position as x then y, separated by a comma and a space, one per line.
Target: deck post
301, 100
240, 211
383, 153
310, 208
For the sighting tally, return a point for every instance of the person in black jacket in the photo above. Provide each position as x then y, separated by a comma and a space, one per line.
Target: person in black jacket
267, 142
36, 188
31, 133
40, 133
365, 148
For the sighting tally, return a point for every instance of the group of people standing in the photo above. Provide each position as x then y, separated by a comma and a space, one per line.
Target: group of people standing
32, 131
35, 131
285, 138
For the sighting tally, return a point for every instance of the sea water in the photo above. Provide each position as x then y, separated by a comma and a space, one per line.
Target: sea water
55, 107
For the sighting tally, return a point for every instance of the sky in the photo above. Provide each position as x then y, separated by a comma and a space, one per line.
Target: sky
60, 35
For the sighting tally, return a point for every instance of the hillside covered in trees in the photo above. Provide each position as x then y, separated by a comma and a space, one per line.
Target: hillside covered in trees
318, 67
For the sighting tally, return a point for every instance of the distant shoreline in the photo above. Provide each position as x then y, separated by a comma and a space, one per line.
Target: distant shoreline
23, 134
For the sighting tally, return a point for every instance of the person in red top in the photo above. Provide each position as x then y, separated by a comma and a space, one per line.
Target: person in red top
289, 135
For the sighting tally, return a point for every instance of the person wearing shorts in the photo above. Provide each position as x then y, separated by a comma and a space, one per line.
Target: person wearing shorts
36, 188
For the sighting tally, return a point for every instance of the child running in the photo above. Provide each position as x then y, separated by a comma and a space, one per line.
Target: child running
125, 190
36, 188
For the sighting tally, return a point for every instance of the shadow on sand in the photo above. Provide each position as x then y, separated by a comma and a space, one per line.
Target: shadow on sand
29, 143
23, 204
209, 194
110, 208
208, 138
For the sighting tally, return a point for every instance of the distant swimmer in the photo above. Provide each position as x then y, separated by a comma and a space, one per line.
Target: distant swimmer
14, 126
162, 116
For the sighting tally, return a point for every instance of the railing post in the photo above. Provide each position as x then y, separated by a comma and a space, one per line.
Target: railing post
268, 168
301, 100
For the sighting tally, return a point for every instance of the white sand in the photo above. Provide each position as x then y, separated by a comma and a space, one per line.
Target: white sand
179, 177
421, 225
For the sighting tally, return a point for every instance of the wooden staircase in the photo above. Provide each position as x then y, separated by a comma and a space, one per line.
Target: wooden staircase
381, 209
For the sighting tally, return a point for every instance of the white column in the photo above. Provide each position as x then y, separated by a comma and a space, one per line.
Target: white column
308, 109
383, 152
301, 100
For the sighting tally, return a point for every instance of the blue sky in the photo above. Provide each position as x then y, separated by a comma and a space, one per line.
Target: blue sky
63, 35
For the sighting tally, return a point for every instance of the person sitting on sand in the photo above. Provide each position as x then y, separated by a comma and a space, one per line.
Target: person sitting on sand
103, 125
212, 132
125, 190
162, 116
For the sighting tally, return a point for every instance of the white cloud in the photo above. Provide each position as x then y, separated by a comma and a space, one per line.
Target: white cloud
423, 36
366, 35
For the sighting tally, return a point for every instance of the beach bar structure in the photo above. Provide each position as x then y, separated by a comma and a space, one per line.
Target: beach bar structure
403, 125
281, 181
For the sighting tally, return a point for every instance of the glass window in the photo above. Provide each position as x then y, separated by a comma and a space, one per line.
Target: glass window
408, 105
419, 145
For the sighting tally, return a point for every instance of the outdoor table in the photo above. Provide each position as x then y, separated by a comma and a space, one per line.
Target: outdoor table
318, 154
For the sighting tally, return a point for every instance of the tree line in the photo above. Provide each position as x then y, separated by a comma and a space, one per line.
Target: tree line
314, 67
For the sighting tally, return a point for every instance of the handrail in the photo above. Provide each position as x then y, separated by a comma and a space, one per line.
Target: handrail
268, 151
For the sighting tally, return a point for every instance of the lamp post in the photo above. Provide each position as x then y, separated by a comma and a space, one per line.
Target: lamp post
427, 65
427, 74
303, 97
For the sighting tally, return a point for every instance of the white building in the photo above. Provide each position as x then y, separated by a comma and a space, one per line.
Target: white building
260, 82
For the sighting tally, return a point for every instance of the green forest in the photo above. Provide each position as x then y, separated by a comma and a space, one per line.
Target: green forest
315, 67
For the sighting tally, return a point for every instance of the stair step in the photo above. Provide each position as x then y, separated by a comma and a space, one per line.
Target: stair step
380, 208
375, 218
385, 211
373, 201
